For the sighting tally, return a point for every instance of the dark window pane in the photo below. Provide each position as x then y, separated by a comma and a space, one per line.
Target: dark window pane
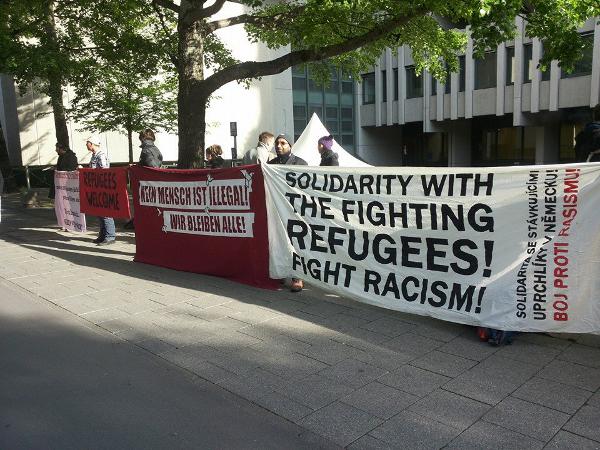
485, 71
396, 84
347, 140
333, 87
383, 86
331, 113
510, 66
414, 84
346, 113
527, 63
347, 126
433, 85
584, 65
368, 88
461, 73
299, 111
299, 125
347, 87
332, 126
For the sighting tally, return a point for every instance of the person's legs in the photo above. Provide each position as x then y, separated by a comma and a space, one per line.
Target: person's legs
108, 224
102, 232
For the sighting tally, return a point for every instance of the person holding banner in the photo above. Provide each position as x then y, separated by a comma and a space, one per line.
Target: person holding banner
262, 152
99, 160
328, 156
67, 162
283, 148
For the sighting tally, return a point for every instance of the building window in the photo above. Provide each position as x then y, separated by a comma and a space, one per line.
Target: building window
461, 73
368, 88
505, 146
383, 86
396, 84
583, 66
510, 66
485, 71
333, 103
433, 85
414, 83
528, 63
568, 131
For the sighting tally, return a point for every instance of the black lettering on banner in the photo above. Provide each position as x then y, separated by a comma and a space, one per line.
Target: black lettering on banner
362, 226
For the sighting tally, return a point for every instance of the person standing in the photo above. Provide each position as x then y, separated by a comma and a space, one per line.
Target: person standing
328, 156
262, 153
587, 142
99, 160
150, 155
214, 160
67, 162
283, 148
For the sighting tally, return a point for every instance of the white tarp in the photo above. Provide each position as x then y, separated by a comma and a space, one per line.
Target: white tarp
513, 248
306, 146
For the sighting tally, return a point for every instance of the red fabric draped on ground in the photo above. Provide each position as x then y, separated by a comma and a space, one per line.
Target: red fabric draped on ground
212, 222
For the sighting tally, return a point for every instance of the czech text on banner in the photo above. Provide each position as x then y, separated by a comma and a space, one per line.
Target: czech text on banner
104, 192
66, 201
212, 222
508, 248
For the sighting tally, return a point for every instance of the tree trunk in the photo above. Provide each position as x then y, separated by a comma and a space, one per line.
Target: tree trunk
55, 83
192, 98
130, 143
58, 108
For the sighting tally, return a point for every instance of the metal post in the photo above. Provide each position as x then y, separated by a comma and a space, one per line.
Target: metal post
27, 178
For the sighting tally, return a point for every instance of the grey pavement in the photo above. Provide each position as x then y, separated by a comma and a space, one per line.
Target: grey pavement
322, 369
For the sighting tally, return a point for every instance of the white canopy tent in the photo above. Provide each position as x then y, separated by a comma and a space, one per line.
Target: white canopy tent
306, 146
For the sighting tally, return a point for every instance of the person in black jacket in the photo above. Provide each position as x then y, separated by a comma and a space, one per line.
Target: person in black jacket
328, 156
283, 148
150, 155
67, 162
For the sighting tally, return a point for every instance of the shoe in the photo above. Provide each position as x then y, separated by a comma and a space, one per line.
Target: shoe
297, 285
97, 240
129, 225
106, 242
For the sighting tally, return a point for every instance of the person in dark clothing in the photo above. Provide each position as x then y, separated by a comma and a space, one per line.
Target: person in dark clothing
150, 155
328, 156
214, 160
283, 148
67, 162
587, 142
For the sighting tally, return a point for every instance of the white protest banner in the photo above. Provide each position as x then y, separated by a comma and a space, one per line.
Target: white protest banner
66, 201
513, 248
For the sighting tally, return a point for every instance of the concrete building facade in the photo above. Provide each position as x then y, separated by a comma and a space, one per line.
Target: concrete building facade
497, 110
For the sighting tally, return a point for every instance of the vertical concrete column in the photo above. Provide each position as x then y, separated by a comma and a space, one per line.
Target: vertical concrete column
454, 86
518, 64
595, 86
389, 79
401, 85
427, 127
469, 77
378, 92
441, 90
554, 83
536, 78
500, 78
546, 144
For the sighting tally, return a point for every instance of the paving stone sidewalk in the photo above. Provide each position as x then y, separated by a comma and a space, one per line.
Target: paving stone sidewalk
360, 376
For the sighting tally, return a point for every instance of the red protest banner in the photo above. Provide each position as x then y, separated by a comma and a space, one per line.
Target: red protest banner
103, 192
212, 222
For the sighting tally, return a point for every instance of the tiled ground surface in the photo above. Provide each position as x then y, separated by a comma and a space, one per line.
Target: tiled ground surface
360, 376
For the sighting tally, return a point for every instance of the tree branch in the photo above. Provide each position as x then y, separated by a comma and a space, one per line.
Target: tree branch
168, 4
212, 9
254, 20
253, 69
